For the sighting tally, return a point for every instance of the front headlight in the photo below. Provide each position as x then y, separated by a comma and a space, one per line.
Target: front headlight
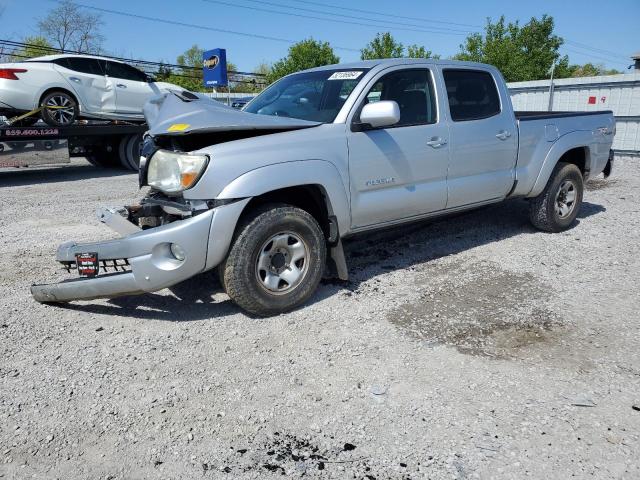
173, 172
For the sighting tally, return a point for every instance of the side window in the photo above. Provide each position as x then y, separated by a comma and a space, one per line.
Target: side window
472, 94
82, 65
412, 90
124, 71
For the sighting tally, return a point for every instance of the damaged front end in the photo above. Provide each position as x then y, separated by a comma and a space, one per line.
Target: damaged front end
164, 243
166, 239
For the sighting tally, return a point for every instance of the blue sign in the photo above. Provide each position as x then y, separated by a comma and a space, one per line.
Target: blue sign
214, 68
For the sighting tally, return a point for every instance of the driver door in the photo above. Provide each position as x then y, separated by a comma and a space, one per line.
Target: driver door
399, 171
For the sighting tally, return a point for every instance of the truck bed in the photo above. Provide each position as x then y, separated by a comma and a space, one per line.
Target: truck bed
539, 115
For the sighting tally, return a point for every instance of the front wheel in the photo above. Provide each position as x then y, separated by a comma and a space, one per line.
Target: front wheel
276, 261
557, 207
60, 109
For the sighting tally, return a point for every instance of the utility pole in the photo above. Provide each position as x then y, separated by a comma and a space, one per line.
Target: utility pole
550, 107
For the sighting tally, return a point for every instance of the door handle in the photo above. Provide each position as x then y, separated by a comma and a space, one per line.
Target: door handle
75, 79
503, 134
437, 142
121, 85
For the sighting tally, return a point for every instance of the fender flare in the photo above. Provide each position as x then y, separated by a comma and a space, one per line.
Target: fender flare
292, 174
579, 139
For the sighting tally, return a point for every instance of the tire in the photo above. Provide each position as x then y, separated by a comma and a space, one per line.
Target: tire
129, 152
276, 261
133, 152
557, 207
59, 117
105, 157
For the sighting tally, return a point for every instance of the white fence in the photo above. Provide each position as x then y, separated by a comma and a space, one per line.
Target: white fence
618, 93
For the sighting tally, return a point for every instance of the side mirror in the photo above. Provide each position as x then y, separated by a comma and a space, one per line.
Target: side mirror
380, 114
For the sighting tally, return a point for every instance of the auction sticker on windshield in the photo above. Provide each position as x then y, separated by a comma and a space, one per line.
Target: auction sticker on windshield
345, 75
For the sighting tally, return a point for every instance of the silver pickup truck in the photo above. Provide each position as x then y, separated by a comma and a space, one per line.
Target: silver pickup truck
268, 194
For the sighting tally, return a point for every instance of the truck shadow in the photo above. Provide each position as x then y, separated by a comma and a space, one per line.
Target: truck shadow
18, 177
368, 256
420, 242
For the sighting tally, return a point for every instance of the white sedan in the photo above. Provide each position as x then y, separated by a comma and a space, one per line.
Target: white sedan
76, 86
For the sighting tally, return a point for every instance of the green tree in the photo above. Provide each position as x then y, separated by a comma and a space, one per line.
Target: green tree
382, 46
415, 51
586, 70
163, 73
302, 55
67, 26
36, 46
521, 53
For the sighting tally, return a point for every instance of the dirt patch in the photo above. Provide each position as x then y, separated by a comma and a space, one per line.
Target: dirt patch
599, 184
479, 308
290, 456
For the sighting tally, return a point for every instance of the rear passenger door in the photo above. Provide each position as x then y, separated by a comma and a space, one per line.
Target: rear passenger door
131, 86
483, 138
86, 77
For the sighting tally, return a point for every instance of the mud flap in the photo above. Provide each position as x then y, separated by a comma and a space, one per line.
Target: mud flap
336, 254
608, 169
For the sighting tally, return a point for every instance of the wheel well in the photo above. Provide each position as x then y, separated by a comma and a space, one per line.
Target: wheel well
576, 156
310, 198
58, 89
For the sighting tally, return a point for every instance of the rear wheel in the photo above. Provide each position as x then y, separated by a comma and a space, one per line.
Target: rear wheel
557, 207
129, 152
276, 261
60, 109
104, 155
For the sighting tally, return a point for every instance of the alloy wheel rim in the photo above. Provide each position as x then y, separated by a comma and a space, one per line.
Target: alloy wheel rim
566, 197
282, 263
60, 108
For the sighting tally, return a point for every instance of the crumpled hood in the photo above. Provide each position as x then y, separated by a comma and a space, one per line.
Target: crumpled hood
182, 113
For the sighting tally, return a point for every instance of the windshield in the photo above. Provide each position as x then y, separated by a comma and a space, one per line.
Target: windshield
315, 96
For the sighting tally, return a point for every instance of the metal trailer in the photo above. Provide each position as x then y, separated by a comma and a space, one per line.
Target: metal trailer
619, 93
104, 145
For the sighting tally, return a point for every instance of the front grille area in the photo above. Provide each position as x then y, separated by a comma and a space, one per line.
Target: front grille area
106, 266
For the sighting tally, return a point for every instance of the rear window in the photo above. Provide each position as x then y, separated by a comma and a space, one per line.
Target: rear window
472, 94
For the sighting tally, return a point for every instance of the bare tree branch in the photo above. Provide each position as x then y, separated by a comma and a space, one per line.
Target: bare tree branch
68, 27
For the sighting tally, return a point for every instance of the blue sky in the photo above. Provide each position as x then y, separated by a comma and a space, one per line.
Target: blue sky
599, 32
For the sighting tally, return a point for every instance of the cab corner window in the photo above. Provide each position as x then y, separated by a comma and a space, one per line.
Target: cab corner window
472, 94
412, 91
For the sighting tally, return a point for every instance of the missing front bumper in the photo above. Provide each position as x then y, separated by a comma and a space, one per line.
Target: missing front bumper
204, 241
148, 253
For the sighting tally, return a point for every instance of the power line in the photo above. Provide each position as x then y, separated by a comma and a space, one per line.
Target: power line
387, 14
592, 55
385, 23
598, 50
299, 15
192, 25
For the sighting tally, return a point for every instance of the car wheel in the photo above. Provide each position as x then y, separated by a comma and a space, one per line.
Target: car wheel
276, 260
557, 207
60, 109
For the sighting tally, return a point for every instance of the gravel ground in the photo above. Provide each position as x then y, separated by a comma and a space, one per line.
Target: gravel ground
471, 347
